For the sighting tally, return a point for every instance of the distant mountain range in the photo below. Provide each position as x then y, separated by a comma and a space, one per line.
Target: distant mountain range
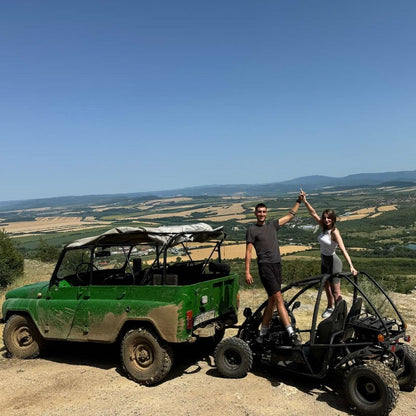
311, 183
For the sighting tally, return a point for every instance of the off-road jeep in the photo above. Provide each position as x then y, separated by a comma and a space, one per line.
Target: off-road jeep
130, 286
366, 344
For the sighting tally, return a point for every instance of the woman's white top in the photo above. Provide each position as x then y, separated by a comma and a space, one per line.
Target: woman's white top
328, 245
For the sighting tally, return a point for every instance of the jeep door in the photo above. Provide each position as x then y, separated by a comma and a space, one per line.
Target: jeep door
69, 285
57, 310
100, 314
101, 311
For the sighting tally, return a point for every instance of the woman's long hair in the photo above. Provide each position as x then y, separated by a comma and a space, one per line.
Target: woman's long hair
330, 213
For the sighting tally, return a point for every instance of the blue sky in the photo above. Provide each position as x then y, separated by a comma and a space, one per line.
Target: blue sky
102, 97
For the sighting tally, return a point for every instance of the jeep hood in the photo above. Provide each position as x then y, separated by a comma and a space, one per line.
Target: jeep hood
28, 291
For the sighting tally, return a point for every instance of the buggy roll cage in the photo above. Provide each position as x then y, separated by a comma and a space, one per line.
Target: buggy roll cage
320, 280
335, 340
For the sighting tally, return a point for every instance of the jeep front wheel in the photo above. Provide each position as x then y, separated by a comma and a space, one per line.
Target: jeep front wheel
233, 358
21, 337
145, 358
371, 388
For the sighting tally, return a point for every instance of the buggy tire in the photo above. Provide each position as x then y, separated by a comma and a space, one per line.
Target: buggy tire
407, 380
371, 388
233, 358
145, 358
21, 337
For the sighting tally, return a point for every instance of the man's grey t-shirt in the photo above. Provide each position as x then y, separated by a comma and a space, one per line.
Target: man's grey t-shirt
264, 240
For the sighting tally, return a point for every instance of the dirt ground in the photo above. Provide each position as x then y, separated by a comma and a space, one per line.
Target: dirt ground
87, 379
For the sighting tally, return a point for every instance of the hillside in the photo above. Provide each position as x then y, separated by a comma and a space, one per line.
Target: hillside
377, 222
312, 183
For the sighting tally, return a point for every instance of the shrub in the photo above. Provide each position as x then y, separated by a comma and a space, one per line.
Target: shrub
11, 260
45, 252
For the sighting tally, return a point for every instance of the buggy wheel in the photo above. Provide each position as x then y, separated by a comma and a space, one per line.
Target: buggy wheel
371, 388
233, 358
407, 380
145, 359
21, 337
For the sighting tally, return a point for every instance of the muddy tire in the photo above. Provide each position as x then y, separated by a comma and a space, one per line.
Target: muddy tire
407, 380
145, 358
21, 337
371, 388
233, 358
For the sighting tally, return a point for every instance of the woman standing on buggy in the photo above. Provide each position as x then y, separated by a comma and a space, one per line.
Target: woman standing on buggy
329, 240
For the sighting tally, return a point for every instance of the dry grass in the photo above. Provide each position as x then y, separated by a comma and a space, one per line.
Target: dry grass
220, 218
48, 224
353, 217
341, 192
402, 190
35, 271
386, 208
371, 212
237, 251
156, 202
214, 212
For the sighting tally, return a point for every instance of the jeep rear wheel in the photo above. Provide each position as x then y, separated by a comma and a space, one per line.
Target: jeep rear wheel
371, 388
407, 380
145, 359
233, 358
21, 337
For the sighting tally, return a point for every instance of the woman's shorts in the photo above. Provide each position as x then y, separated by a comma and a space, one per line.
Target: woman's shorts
331, 265
271, 277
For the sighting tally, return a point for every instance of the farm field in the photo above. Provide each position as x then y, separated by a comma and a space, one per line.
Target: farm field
373, 221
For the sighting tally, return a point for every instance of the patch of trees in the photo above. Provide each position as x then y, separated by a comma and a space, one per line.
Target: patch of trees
386, 252
46, 252
393, 274
11, 260
292, 270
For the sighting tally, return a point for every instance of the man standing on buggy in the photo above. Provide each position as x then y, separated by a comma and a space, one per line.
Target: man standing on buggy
263, 237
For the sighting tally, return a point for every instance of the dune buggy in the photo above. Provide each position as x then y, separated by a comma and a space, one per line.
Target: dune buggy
367, 343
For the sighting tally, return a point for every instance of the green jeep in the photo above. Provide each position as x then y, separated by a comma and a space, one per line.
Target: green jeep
130, 286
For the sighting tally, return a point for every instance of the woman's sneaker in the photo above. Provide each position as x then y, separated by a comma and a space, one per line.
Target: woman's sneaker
327, 313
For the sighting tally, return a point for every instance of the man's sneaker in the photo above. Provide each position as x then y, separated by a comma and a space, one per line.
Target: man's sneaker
294, 339
327, 313
262, 338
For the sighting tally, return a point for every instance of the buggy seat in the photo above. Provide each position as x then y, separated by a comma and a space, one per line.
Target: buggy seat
326, 334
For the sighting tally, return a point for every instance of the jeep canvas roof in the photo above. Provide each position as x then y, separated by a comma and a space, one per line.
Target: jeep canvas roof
164, 235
